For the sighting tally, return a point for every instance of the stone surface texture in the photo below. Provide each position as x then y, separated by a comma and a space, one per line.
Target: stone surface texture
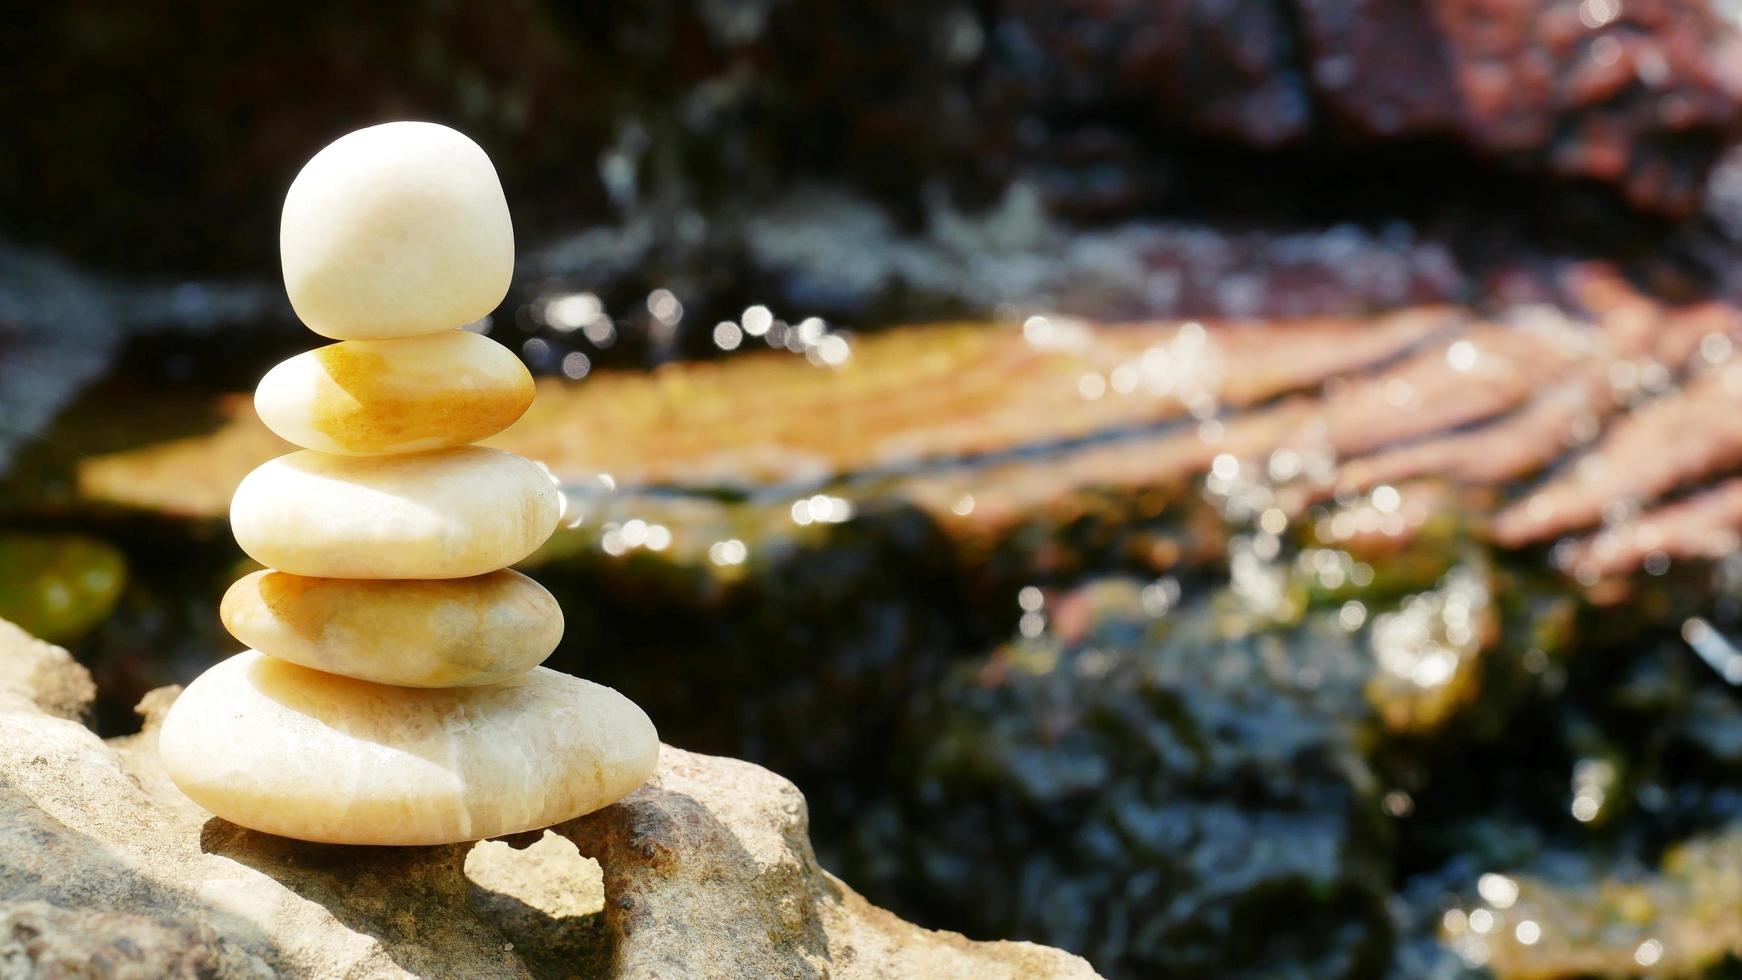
413, 632
107, 870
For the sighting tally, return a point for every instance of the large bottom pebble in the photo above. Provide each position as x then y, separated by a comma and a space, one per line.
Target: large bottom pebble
291, 751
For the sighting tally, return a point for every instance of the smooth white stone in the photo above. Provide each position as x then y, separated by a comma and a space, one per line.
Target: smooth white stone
394, 231
411, 632
296, 752
450, 513
375, 397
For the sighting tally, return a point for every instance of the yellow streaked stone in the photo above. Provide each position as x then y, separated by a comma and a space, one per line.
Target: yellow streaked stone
377, 397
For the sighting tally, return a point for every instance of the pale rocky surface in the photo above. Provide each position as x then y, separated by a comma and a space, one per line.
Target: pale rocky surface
315, 756
375, 397
450, 513
396, 230
105, 869
40, 676
411, 632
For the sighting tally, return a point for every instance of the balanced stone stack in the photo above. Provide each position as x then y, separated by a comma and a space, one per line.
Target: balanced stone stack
392, 694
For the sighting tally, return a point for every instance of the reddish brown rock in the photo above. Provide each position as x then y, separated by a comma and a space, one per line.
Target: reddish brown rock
1677, 440
1701, 527
1643, 95
1541, 421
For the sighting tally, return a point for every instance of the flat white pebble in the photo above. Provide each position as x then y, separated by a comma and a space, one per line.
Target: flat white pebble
411, 632
450, 513
296, 752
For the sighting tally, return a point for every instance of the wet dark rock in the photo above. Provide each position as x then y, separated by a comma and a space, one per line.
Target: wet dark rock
1225, 69
1641, 96
56, 336
1174, 796
657, 109
1595, 837
1235, 796
840, 257
679, 120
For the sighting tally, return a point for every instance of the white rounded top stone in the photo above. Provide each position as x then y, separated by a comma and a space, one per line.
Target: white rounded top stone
396, 230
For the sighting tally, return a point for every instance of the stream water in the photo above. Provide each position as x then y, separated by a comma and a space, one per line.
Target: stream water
1203, 648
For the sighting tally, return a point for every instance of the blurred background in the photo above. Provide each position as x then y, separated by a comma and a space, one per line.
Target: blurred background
1232, 488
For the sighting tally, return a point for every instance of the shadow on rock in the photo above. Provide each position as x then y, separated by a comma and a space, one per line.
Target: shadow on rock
414, 900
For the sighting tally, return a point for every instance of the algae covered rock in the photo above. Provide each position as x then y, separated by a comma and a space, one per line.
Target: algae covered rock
1177, 782
59, 586
105, 869
1437, 784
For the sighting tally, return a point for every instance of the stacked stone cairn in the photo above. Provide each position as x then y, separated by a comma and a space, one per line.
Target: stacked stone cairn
392, 694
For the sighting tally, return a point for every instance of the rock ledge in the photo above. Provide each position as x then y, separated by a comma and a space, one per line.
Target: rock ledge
106, 870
